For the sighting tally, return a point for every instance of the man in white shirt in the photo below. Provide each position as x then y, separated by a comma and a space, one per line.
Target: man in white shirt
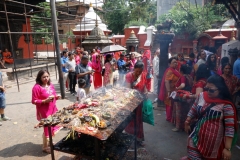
70, 68
156, 71
202, 59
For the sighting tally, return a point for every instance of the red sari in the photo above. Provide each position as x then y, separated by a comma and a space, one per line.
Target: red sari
140, 86
172, 75
97, 76
231, 82
147, 68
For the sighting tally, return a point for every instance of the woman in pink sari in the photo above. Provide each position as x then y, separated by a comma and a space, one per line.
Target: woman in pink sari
96, 66
137, 80
108, 74
44, 97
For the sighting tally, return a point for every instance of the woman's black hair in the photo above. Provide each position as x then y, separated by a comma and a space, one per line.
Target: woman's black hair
185, 69
224, 60
69, 54
211, 65
107, 58
219, 82
81, 83
84, 57
226, 64
171, 59
202, 72
191, 55
139, 64
39, 76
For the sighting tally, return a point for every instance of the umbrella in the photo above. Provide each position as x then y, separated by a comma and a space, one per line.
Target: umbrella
137, 55
113, 48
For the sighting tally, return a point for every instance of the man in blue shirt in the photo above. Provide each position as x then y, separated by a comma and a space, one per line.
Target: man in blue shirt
64, 60
122, 70
236, 67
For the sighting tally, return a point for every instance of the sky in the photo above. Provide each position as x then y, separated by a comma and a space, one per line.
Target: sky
99, 2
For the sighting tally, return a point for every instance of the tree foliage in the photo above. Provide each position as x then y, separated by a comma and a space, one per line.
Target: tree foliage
41, 25
194, 19
116, 15
124, 13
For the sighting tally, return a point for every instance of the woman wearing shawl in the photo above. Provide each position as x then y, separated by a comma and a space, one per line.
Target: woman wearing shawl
96, 66
169, 80
147, 68
137, 80
181, 108
212, 136
132, 61
231, 81
223, 61
108, 74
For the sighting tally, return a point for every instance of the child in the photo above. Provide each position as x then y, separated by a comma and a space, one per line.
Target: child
81, 92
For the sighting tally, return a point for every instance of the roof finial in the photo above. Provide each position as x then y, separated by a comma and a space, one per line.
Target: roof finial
96, 23
90, 5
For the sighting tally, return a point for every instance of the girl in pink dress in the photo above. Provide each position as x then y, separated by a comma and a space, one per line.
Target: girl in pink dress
44, 97
107, 78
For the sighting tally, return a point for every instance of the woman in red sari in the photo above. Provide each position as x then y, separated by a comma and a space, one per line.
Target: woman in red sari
137, 80
180, 60
231, 81
168, 85
147, 68
181, 108
212, 136
96, 66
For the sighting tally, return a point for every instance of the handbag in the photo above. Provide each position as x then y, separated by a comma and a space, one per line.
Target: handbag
193, 124
147, 112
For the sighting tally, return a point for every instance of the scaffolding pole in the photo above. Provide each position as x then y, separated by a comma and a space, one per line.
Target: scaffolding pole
28, 38
56, 40
11, 44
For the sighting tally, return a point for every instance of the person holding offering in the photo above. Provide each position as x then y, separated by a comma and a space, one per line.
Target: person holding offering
44, 97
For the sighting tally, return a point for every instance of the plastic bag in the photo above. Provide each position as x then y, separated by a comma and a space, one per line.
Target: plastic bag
147, 112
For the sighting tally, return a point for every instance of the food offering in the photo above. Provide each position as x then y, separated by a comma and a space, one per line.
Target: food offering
100, 113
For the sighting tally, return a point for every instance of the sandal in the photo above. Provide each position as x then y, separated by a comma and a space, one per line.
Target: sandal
140, 144
175, 129
47, 150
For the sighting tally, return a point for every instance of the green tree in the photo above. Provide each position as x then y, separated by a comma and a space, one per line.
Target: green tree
120, 13
193, 19
41, 25
116, 15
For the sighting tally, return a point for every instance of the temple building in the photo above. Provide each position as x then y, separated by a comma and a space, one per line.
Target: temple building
87, 24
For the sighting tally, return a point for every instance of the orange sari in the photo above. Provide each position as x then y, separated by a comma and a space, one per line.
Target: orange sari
6, 57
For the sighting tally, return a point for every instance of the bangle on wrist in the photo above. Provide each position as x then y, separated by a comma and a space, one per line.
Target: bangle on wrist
229, 149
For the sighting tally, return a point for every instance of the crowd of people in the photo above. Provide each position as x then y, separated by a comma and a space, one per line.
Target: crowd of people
87, 68
197, 93
99, 69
